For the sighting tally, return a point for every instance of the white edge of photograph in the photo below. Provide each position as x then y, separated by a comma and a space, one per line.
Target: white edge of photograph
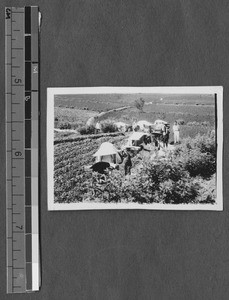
51, 92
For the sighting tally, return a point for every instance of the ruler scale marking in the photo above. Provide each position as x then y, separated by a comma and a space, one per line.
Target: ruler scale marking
22, 252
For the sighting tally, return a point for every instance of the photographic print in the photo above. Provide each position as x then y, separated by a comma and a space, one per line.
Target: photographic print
135, 148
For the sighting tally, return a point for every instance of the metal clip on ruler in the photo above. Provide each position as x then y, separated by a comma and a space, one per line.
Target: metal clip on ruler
22, 113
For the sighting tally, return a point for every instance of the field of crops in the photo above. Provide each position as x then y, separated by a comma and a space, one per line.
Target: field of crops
70, 158
190, 172
103, 102
79, 108
74, 151
197, 119
74, 117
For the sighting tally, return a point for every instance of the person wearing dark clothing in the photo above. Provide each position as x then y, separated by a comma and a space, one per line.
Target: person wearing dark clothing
165, 138
100, 167
127, 163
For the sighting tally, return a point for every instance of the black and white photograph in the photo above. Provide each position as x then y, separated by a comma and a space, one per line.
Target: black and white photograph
135, 147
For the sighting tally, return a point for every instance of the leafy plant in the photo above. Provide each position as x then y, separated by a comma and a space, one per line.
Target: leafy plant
139, 103
87, 129
109, 127
65, 125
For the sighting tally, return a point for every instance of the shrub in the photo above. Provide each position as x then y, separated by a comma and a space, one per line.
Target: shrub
109, 127
205, 143
198, 163
139, 103
164, 182
180, 121
207, 191
87, 129
198, 155
181, 191
65, 125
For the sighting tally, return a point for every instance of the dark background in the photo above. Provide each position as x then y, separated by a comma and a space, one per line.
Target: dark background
128, 254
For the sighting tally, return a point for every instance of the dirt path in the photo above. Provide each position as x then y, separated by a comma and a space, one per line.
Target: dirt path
65, 130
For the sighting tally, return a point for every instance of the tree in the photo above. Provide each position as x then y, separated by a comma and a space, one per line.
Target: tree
139, 103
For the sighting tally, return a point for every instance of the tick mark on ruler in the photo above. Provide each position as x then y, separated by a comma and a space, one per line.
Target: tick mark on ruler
14, 121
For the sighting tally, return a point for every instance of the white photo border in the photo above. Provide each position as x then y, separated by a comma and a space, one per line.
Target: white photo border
51, 92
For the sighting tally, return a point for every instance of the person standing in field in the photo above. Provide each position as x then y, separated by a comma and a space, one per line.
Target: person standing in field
98, 127
127, 162
165, 136
176, 132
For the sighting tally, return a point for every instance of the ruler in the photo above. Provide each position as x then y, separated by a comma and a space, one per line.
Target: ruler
22, 137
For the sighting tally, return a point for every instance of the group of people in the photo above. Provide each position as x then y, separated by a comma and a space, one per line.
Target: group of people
127, 155
164, 129
164, 135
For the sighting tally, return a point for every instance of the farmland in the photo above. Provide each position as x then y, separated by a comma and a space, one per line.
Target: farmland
194, 178
69, 161
197, 118
103, 102
73, 151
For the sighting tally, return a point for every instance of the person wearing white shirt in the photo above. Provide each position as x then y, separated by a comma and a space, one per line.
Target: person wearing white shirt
98, 127
176, 132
